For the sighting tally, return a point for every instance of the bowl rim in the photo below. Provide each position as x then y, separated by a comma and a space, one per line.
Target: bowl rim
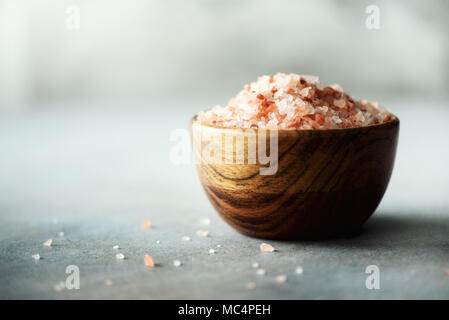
393, 122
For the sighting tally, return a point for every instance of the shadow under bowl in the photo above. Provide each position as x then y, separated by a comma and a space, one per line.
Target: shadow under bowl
327, 182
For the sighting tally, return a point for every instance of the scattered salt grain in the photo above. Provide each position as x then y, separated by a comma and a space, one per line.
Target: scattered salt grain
299, 270
202, 233
281, 278
36, 256
251, 285
177, 263
116, 247
108, 282
58, 287
120, 256
158, 241
185, 238
265, 247
260, 272
146, 224
218, 245
148, 261
61, 234
48, 242
255, 265
205, 221
211, 251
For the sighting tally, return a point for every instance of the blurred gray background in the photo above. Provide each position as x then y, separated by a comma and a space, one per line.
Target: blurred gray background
86, 116
207, 49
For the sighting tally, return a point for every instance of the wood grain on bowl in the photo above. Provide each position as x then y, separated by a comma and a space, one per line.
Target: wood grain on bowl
328, 182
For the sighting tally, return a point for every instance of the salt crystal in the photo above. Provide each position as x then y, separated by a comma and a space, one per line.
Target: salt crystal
281, 278
177, 263
108, 282
320, 86
218, 245
340, 103
205, 221
148, 261
146, 224
211, 251
61, 234
48, 243
185, 238
311, 79
158, 241
57, 287
265, 247
260, 272
304, 92
250, 285
336, 87
36, 256
202, 233
116, 247
120, 256
255, 265
299, 270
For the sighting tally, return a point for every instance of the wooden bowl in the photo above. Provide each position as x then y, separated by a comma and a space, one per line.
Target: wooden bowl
327, 183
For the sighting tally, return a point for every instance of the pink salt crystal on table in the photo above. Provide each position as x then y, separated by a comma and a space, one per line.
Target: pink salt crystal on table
202, 233
265, 247
446, 272
296, 102
148, 261
251, 285
281, 278
146, 224
58, 287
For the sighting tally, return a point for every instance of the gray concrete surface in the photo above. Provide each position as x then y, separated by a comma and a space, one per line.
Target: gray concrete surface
96, 173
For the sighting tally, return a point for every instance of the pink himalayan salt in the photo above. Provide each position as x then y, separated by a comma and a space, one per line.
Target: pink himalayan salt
265, 247
146, 224
148, 261
202, 233
294, 102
